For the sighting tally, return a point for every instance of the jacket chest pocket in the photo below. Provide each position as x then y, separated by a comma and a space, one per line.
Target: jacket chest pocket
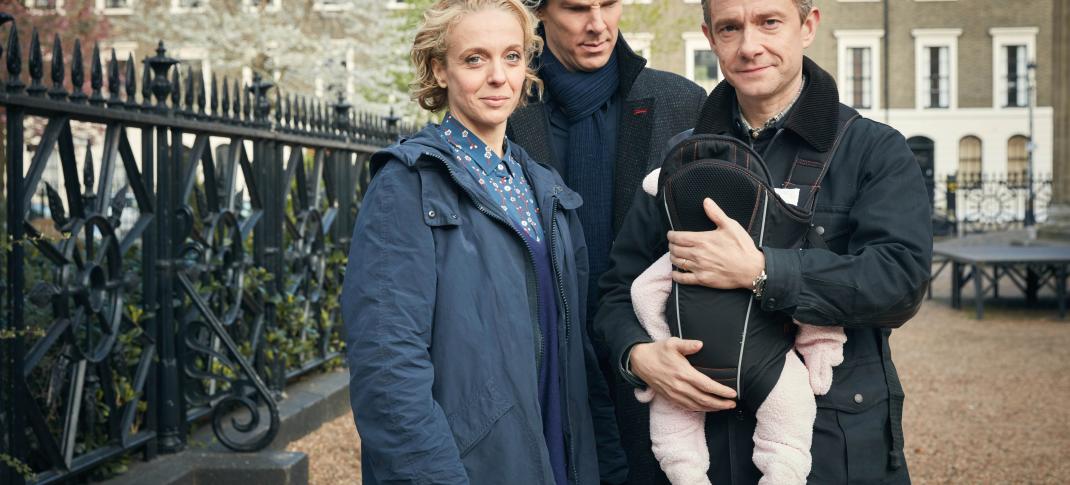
438, 200
835, 224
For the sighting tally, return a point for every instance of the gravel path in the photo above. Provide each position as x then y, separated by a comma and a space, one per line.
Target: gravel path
987, 401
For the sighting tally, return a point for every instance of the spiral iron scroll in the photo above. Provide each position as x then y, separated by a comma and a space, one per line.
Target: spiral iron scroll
222, 377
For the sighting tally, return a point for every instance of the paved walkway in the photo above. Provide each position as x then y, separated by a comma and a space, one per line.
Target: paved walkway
987, 401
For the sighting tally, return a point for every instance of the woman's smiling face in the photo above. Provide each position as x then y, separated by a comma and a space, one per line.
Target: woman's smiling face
484, 70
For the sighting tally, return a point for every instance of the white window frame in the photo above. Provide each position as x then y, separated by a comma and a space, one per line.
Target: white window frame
197, 53
319, 6
1003, 37
923, 40
176, 7
272, 6
641, 43
40, 11
123, 50
696, 41
104, 9
848, 39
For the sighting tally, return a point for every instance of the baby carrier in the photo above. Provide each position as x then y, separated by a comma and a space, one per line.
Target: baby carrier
743, 345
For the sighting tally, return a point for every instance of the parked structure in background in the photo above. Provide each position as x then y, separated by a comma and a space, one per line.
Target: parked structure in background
952, 75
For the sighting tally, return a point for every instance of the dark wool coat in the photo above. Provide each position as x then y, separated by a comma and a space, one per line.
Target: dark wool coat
655, 105
441, 330
873, 207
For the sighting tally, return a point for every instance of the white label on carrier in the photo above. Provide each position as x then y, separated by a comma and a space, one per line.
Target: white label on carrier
790, 196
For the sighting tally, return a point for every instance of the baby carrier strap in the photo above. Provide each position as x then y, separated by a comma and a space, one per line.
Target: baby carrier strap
809, 169
810, 165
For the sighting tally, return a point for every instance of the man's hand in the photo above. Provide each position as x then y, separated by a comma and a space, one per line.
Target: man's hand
664, 368
723, 258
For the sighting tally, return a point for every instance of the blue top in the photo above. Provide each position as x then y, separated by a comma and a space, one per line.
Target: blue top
503, 179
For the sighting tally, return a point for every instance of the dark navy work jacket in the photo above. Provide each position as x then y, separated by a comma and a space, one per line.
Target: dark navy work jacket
439, 304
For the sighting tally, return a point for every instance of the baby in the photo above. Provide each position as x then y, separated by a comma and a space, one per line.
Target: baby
785, 420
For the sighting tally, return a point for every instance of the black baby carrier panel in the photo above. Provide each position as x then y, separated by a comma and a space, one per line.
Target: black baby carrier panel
743, 345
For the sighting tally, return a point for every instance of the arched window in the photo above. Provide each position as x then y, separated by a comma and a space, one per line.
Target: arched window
1017, 159
969, 158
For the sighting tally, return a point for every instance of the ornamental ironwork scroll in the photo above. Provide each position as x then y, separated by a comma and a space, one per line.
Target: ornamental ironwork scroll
974, 202
172, 255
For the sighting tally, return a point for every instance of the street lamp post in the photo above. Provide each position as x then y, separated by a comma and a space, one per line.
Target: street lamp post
1030, 216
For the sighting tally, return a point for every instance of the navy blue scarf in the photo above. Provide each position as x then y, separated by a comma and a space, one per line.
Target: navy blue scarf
585, 99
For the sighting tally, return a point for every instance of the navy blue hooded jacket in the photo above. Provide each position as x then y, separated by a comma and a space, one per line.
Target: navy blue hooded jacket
439, 305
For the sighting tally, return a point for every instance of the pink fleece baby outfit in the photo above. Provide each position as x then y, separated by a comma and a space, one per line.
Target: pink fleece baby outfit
785, 420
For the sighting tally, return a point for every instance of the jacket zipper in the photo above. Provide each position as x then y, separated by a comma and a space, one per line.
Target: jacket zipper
560, 289
568, 326
750, 305
668, 216
531, 254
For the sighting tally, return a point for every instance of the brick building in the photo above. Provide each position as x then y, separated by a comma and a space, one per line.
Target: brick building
951, 75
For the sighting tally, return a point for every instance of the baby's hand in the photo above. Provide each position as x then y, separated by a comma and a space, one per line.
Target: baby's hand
821, 349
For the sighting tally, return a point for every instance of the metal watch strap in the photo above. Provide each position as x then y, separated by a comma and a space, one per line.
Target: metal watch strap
758, 285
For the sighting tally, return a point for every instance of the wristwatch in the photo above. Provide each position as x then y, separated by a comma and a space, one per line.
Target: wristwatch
758, 285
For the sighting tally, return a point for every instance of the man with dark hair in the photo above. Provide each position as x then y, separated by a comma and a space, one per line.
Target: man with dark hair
603, 120
870, 279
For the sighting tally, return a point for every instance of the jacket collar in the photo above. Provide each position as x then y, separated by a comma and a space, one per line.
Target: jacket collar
428, 146
814, 117
629, 66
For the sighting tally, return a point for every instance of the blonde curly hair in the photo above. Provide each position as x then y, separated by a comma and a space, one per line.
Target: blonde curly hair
430, 46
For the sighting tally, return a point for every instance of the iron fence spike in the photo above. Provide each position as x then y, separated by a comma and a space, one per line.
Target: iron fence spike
88, 178
14, 60
226, 97
202, 101
247, 104
176, 89
236, 107
58, 73
96, 76
55, 206
113, 78
288, 110
146, 84
131, 80
215, 96
77, 73
189, 89
37, 66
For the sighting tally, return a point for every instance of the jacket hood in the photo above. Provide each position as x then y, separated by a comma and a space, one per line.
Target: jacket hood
409, 149
544, 179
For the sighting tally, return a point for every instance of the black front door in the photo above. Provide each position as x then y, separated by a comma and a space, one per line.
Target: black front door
923, 153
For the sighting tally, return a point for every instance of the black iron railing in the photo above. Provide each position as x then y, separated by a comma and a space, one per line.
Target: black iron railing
965, 203
185, 267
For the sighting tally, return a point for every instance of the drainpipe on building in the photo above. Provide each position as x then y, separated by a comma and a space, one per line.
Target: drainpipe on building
884, 72
1057, 225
